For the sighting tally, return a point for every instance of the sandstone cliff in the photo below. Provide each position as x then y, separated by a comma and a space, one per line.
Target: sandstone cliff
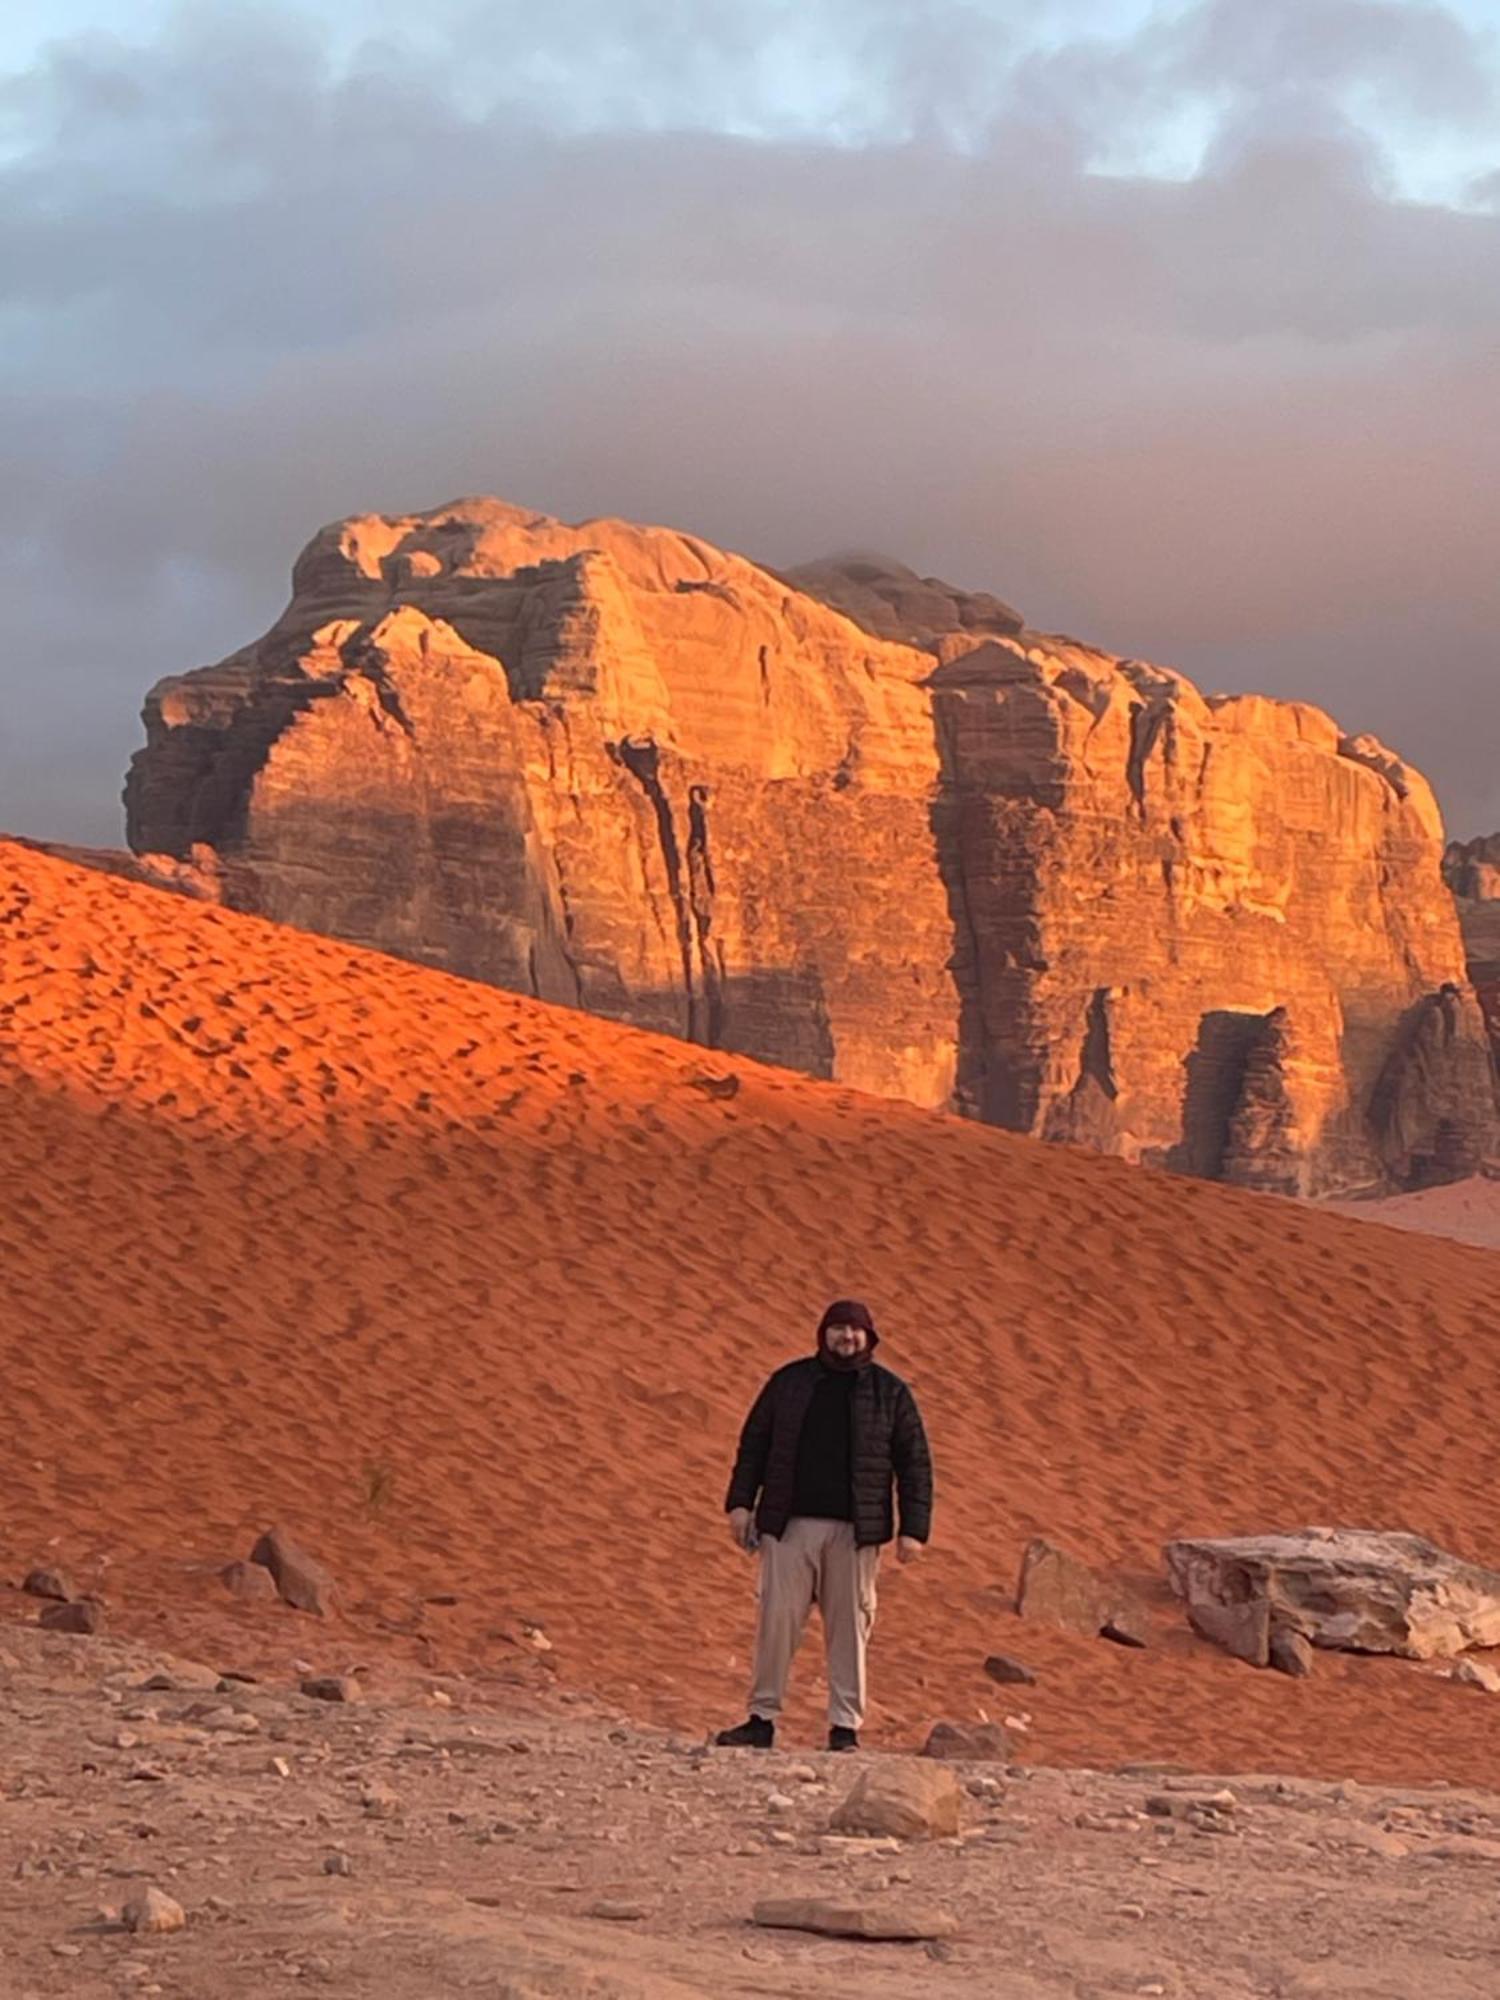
849, 820
1472, 871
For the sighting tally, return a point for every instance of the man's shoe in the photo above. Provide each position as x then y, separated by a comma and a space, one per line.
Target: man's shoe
840, 1738
756, 1733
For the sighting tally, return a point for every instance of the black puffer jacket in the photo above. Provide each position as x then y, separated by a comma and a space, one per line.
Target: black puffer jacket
889, 1444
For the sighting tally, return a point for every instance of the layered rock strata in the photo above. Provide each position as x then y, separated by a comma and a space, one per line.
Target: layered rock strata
849, 820
1349, 1589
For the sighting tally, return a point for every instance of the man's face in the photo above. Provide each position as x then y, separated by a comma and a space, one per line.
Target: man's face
847, 1341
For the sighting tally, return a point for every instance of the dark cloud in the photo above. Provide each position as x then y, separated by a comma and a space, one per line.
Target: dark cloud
1242, 422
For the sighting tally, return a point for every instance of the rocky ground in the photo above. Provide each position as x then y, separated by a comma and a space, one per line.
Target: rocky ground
438, 1837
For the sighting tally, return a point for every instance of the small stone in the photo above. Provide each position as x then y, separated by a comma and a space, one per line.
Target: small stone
279, 1768
615, 1911
968, 1741
332, 1687
149, 1912
1478, 1674
250, 1582
1126, 1626
847, 1916
1462, 1848
1001, 1667
51, 1583
83, 1615
804, 1774
379, 1801
1373, 1839
780, 1802
1291, 1653
337, 1864
61, 1950
182, 1677
781, 1836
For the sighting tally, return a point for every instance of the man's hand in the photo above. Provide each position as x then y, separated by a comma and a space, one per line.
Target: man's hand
742, 1528
908, 1548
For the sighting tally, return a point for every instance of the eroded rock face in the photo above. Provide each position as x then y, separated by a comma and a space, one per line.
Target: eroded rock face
1350, 1589
850, 820
1472, 871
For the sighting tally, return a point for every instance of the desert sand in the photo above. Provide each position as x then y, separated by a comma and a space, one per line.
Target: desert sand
1468, 1211
471, 1293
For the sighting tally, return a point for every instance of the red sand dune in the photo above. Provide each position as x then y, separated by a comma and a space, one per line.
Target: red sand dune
472, 1293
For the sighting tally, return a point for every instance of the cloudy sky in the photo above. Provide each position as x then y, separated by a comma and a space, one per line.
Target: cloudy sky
1177, 325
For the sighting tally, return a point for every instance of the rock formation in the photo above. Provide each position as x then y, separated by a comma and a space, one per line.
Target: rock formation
1472, 871
1350, 1589
850, 820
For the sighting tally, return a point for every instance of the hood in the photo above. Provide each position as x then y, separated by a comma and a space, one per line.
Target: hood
848, 1312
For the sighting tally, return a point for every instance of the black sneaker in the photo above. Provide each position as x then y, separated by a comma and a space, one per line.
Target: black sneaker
756, 1733
840, 1738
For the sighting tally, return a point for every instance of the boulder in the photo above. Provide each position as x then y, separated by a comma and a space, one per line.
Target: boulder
868, 1917
850, 820
967, 1742
300, 1579
1061, 1590
904, 1797
1352, 1589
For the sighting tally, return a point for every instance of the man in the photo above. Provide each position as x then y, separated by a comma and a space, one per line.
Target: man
811, 1488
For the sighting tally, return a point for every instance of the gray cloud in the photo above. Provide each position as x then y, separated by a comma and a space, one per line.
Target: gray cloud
1242, 422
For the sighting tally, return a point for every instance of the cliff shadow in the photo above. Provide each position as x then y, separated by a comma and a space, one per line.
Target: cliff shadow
1433, 1105
1213, 1081
987, 875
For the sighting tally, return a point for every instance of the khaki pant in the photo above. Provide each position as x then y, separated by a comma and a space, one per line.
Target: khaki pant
815, 1562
